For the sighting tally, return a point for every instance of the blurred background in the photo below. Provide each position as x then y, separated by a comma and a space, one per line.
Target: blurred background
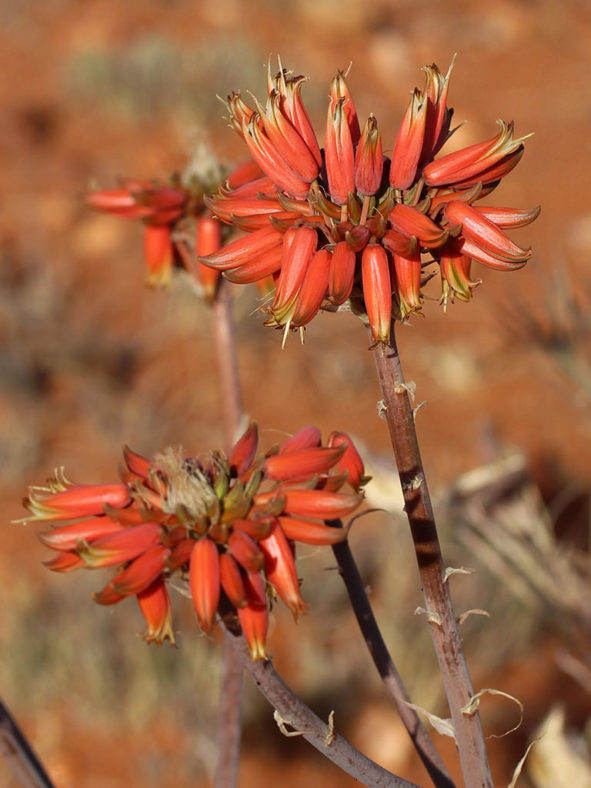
92, 359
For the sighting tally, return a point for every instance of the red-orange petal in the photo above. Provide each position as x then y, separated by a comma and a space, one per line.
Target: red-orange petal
68, 537
156, 609
245, 550
254, 617
280, 569
350, 461
244, 249
244, 450
232, 581
342, 273
304, 463
311, 532
313, 290
141, 572
122, 546
305, 438
204, 582
377, 291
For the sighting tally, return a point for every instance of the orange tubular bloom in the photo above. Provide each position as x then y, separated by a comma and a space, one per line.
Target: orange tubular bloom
485, 161
369, 159
297, 253
306, 462
409, 143
232, 581
313, 290
485, 234
342, 196
340, 157
225, 524
156, 609
208, 241
339, 92
254, 616
204, 581
377, 286
280, 570
350, 461
311, 532
245, 249
62, 500
159, 254
407, 270
305, 438
456, 281
409, 221
341, 275
141, 572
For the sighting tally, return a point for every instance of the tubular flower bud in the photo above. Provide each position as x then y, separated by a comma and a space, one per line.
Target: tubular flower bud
341, 274
438, 117
484, 234
456, 281
407, 270
342, 196
485, 161
204, 581
216, 521
339, 154
156, 609
377, 286
409, 143
339, 93
159, 254
254, 616
350, 462
280, 569
369, 159
170, 213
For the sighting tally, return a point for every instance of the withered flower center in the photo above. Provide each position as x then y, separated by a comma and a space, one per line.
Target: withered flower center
187, 488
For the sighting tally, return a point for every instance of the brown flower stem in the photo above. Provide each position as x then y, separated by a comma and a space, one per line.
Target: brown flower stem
25, 765
291, 713
386, 668
439, 610
227, 362
230, 708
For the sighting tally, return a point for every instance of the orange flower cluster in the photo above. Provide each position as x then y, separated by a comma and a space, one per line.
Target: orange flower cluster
227, 525
347, 223
178, 228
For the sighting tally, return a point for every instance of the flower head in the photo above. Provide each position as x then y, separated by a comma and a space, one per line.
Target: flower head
178, 228
348, 224
227, 525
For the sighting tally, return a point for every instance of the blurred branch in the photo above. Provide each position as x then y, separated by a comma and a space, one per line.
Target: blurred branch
230, 709
292, 712
386, 668
25, 765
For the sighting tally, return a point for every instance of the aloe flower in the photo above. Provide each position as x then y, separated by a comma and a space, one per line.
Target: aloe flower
178, 228
227, 525
348, 224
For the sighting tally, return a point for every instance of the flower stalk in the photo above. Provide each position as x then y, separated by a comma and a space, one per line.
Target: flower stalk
25, 765
386, 667
291, 711
440, 613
